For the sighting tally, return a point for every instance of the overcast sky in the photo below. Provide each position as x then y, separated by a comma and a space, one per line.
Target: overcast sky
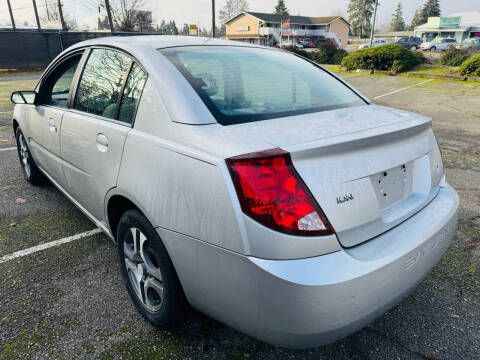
199, 11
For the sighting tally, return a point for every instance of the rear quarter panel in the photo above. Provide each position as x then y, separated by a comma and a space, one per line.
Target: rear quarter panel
178, 188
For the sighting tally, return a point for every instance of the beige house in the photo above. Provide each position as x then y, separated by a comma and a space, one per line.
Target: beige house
273, 29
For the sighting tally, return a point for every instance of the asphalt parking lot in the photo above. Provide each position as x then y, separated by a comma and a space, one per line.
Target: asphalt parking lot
69, 302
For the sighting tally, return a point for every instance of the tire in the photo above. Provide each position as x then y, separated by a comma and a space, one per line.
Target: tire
148, 272
30, 170
433, 48
413, 48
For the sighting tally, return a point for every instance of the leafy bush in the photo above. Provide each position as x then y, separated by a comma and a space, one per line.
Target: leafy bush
298, 51
454, 56
391, 57
471, 66
328, 53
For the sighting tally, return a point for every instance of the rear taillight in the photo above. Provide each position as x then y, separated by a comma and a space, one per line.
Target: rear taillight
271, 192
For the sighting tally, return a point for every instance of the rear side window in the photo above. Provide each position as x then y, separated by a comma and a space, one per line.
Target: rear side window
101, 82
131, 94
240, 84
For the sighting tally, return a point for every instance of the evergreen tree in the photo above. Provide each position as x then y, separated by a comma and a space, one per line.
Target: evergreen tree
360, 13
185, 30
281, 8
417, 19
231, 9
398, 23
431, 9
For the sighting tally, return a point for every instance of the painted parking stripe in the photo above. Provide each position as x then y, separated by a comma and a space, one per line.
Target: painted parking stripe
6, 112
8, 149
48, 245
405, 88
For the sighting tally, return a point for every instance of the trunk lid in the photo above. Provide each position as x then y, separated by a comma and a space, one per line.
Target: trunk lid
368, 167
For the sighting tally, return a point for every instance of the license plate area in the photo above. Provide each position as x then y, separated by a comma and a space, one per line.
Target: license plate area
393, 185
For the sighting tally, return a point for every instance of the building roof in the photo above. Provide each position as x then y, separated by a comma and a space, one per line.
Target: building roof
294, 19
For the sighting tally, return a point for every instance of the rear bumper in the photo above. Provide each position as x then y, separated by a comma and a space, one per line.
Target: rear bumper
309, 302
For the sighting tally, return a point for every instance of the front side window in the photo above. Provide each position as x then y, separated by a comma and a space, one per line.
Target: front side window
240, 84
56, 87
131, 94
101, 82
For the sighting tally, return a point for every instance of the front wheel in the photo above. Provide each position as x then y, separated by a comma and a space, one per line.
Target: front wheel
148, 272
413, 48
31, 173
433, 48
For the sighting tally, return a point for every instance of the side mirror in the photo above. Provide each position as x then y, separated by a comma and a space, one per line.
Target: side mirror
23, 97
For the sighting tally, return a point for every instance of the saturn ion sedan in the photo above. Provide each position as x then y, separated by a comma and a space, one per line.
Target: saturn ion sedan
246, 181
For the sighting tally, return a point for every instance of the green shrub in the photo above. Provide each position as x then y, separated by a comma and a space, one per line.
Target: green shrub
299, 51
454, 56
328, 53
471, 66
391, 57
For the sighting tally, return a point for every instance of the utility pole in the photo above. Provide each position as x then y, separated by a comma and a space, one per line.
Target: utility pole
374, 20
109, 13
213, 18
60, 12
36, 15
11, 14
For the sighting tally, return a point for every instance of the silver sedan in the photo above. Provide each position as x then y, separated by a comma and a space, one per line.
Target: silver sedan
246, 181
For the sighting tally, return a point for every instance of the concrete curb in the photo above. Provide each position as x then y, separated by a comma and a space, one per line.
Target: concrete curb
431, 76
444, 77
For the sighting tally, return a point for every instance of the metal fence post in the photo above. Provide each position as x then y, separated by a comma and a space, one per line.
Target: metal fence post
11, 14
36, 14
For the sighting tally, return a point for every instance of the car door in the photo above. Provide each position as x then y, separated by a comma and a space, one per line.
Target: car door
45, 119
95, 128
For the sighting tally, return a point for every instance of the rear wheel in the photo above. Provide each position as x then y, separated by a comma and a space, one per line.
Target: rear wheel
31, 173
148, 272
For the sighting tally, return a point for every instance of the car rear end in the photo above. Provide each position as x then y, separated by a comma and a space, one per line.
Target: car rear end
343, 205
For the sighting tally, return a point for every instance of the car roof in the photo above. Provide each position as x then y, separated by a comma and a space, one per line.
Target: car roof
158, 41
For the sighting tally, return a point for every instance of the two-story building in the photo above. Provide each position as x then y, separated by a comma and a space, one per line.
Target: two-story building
273, 29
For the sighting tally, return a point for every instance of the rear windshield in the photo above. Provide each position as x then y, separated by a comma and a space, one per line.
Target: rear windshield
240, 84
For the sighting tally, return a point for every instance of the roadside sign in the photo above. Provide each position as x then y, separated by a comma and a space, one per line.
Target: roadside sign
450, 22
193, 30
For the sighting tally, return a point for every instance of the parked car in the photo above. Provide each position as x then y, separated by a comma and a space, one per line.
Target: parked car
307, 44
320, 40
470, 43
375, 43
411, 42
249, 182
438, 44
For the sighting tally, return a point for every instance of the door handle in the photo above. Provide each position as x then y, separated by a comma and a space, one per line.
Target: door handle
102, 143
51, 125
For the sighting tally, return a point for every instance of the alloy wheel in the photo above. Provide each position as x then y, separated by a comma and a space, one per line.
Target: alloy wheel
143, 269
24, 156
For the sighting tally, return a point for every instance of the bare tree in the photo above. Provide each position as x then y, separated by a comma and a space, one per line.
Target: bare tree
232, 8
52, 15
123, 13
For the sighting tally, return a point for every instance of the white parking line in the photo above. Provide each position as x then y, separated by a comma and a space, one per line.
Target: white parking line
6, 112
8, 149
405, 88
349, 76
48, 245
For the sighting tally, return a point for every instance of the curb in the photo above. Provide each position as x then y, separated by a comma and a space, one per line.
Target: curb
444, 77
431, 76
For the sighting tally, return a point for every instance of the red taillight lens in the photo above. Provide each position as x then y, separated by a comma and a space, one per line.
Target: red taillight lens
271, 192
